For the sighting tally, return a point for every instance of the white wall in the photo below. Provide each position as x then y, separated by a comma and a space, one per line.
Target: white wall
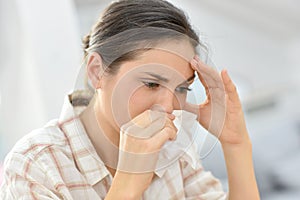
40, 56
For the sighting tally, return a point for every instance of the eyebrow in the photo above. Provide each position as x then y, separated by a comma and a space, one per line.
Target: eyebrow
159, 77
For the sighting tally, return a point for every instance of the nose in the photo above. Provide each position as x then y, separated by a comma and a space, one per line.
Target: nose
166, 101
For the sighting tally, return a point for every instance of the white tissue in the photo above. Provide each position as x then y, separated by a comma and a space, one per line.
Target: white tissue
187, 140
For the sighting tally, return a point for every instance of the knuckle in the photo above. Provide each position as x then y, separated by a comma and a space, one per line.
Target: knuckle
175, 129
165, 121
170, 131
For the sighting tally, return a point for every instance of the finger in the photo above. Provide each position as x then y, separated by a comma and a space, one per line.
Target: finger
208, 76
230, 88
194, 65
150, 116
149, 131
204, 68
171, 116
146, 118
171, 124
156, 127
160, 108
143, 119
169, 132
212, 82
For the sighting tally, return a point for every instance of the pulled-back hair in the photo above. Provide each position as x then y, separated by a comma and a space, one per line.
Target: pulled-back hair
128, 27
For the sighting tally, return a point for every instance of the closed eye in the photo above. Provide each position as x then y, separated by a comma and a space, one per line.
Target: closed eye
151, 85
183, 89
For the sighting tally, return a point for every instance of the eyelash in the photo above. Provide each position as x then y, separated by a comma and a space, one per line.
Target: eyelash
152, 85
183, 89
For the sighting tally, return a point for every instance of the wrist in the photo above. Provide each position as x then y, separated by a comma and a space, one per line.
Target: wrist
122, 187
237, 139
237, 152
244, 144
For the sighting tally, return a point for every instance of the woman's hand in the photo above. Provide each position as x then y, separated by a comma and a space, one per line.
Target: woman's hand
140, 142
221, 114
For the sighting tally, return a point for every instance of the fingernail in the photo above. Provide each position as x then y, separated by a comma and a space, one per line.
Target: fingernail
171, 116
226, 72
194, 64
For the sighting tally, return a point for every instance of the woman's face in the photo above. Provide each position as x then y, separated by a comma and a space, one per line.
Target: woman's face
157, 79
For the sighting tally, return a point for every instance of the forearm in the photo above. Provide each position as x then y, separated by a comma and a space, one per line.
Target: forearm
240, 170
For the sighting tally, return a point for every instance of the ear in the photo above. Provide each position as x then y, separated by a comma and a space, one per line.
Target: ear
94, 69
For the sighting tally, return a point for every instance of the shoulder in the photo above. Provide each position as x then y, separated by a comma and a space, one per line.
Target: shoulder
35, 164
37, 147
37, 140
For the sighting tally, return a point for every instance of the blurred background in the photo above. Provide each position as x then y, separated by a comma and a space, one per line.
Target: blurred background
257, 41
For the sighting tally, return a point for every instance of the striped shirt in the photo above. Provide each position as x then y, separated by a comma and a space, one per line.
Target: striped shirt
59, 161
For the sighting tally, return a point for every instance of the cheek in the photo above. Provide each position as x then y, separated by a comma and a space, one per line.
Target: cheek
120, 102
139, 102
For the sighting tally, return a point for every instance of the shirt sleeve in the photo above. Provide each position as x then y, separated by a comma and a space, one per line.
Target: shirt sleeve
24, 179
201, 184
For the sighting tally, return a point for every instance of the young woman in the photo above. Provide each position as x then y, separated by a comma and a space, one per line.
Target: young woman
116, 138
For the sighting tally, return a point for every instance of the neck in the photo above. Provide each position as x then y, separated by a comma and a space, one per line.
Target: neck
103, 136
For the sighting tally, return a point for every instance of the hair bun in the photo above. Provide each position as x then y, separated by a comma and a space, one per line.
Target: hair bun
86, 42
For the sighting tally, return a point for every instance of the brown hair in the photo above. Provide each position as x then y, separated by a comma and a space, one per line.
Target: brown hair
128, 26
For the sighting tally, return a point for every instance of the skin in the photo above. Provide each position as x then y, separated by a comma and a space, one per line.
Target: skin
121, 99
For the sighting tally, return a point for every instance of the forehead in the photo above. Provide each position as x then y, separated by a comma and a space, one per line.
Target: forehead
169, 59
